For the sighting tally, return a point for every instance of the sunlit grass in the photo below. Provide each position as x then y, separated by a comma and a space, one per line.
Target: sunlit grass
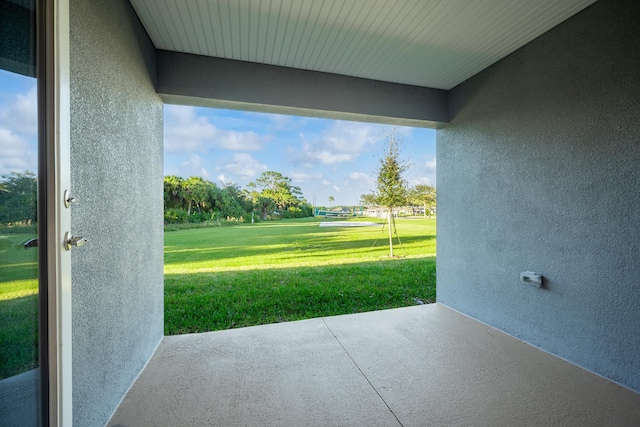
251, 274
18, 289
18, 306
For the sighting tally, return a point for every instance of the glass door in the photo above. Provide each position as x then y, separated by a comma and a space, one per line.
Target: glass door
20, 225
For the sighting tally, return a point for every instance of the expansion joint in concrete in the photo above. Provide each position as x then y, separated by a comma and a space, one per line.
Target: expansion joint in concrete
362, 373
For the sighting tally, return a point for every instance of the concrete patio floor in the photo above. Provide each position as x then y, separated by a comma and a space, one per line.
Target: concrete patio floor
419, 366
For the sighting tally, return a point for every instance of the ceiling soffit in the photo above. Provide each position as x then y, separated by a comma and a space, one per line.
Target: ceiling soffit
429, 43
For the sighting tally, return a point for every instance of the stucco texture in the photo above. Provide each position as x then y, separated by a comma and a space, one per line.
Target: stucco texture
539, 170
116, 176
223, 83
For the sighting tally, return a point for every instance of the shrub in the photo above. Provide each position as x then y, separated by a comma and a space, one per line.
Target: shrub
201, 216
175, 216
295, 212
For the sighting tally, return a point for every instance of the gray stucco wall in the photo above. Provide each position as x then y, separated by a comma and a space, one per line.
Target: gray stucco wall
539, 170
116, 175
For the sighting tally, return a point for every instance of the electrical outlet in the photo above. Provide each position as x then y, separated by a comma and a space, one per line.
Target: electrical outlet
531, 278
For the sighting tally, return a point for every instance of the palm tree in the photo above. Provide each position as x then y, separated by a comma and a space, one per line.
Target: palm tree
331, 200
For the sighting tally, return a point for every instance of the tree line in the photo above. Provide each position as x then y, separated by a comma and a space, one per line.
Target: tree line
194, 199
420, 195
18, 198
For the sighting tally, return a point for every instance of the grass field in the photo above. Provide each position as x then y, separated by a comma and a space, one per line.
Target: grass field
219, 278
18, 307
224, 277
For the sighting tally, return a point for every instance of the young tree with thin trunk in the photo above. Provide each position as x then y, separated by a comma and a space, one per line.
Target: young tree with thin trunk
391, 185
331, 200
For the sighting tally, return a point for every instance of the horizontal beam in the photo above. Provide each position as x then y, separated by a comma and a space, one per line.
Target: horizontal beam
196, 80
17, 38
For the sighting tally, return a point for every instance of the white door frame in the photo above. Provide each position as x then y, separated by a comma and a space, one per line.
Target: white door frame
54, 70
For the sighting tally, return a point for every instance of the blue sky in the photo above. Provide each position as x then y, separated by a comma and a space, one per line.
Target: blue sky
323, 157
18, 123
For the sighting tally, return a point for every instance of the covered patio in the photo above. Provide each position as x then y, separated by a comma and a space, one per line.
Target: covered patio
415, 366
537, 118
538, 132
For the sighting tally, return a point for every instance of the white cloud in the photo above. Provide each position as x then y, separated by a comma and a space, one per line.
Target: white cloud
21, 114
361, 177
186, 131
15, 153
18, 133
430, 166
232, 140
341, 142
424, 173
195, 167
301, 177
325, 183
243, 165
336, 188
359, 182
422, 180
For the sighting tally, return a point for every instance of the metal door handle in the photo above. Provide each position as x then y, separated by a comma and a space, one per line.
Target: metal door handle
70, 241
68, 199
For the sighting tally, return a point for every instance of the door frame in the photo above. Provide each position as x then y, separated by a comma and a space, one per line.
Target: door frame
54, 174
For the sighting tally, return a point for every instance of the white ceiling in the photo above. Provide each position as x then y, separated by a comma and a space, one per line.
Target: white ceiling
430, 43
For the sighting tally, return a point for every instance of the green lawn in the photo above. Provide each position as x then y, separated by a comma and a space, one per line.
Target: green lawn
18, 306
218, 278
223, 277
